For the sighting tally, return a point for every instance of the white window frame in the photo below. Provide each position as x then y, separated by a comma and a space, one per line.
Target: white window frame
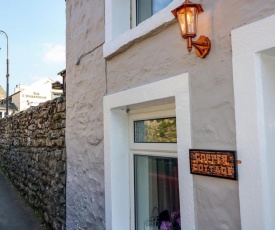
116, 149
133, 17
120, 29
250, 122
147, 149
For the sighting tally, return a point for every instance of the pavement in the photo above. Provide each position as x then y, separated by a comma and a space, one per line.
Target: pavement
14, 212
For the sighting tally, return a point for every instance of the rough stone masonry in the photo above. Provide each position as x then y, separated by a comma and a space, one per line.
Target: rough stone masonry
32, 153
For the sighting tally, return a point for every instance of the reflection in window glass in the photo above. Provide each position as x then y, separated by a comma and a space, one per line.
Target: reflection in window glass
157, 204
156, 131
158, 5
145, 8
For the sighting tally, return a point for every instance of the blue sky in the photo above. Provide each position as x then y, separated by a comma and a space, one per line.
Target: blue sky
36, 31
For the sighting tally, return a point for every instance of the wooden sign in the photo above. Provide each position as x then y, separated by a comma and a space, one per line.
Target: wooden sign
216, 163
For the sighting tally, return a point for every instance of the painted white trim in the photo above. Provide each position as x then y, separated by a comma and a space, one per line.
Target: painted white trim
247, 43
116, 157
115, 40
133, 13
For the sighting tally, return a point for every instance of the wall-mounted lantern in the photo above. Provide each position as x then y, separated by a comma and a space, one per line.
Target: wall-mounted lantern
187, 15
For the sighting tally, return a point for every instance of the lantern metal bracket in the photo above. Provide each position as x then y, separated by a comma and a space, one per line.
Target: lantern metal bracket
202, 46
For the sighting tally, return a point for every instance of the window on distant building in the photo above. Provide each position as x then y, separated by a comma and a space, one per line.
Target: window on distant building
145, 8
1, 115
56, 95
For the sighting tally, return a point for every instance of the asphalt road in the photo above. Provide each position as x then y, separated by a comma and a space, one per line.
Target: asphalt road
14, 213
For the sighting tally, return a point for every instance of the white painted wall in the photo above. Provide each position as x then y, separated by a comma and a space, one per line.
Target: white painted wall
253, 74
85, 88
268, 92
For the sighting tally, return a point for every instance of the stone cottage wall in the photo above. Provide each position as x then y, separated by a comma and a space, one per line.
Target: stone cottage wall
85, 88
32, 153
158, 55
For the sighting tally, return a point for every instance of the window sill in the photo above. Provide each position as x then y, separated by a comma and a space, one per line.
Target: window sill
144, 30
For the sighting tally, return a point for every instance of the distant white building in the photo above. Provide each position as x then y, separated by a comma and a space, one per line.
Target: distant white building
26, 96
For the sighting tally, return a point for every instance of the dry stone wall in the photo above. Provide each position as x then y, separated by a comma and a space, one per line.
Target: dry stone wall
32, 153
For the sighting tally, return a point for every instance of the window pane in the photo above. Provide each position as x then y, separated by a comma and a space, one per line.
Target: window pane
144, 10
157, 203
158, 5
56, 96
147, 8
156, 131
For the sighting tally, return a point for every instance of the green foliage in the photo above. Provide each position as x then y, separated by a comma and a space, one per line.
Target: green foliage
58, 118
4, 170
161, 130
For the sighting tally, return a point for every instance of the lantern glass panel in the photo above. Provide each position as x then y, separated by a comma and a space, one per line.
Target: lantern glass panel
187, 17
181, 20
191, 13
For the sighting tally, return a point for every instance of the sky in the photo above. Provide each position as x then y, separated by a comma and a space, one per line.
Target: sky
36, 33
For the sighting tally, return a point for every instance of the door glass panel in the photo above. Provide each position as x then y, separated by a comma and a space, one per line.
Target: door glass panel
157, 202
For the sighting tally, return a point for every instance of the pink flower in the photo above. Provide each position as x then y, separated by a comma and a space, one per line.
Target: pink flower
178, 221
165, 225
175, 213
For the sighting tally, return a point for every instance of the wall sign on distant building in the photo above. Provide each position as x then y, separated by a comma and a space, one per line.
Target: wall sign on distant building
35, 95
217, 163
